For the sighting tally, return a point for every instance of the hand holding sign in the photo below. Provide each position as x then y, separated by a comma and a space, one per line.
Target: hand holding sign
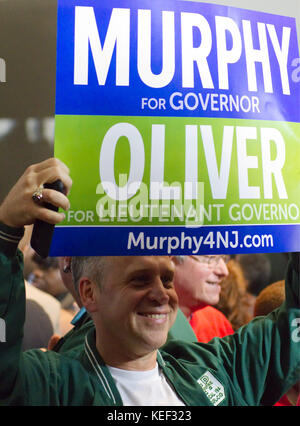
19, 209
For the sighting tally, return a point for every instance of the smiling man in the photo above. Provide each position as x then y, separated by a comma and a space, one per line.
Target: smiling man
133, 304
198, 281
198, 285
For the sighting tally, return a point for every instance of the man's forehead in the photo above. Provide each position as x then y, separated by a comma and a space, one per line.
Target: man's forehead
129, 263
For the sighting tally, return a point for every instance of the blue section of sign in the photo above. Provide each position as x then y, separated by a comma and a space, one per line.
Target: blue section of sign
139, 99
138, 241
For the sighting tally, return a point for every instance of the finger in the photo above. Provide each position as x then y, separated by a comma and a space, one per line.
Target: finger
50, 162
52, 174
56, 198
49, 216
51, 171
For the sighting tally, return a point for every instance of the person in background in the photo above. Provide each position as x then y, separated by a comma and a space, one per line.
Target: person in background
49, 304
38, 328
38, 301
234, 303
256, 268
44, 286
46, 276
269, 299
198, 281
81, 323
278, 262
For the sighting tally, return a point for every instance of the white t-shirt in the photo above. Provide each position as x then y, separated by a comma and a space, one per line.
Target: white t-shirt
144, 387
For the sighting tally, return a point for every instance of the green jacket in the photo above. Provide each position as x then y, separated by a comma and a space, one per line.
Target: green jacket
256, 365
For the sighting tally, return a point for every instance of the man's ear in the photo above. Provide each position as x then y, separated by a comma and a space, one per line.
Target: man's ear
88, 291
66, 262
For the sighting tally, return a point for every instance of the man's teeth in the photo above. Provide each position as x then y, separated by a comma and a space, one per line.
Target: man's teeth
156, 316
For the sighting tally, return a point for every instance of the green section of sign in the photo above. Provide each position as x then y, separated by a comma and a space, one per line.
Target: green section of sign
248, 170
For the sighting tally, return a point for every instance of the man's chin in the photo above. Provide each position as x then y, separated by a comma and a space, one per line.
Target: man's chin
155, 342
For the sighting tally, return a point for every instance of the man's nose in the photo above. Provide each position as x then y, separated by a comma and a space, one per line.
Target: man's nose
158, 292
221, 269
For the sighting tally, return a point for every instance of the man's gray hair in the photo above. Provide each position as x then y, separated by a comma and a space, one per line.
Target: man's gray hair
87, 266
180, 259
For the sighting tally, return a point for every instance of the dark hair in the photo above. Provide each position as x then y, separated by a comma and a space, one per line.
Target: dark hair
48, 262
257, 269
269, 298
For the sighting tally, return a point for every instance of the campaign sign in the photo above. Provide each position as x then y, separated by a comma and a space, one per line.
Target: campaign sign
179, 122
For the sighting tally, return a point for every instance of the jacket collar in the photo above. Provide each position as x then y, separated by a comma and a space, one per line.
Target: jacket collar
93, 362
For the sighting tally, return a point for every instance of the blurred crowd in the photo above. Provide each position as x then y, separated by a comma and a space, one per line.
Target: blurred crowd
50, 307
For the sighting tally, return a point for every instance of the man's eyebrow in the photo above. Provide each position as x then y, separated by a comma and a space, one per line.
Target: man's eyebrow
169, 273
140, 271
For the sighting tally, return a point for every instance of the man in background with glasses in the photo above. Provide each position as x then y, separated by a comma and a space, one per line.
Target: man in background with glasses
198, 285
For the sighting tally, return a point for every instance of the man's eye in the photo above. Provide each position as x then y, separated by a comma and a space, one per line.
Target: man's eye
167, 281
140, 280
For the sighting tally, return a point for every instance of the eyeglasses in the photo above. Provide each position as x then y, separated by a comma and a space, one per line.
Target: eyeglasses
211, 260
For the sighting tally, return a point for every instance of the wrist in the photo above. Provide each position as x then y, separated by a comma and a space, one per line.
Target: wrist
5, 218
10, 238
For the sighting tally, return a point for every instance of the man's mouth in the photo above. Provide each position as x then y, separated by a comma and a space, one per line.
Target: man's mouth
213, 282
154, 316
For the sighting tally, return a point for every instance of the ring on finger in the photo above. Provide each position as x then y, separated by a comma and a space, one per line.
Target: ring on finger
37, 196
